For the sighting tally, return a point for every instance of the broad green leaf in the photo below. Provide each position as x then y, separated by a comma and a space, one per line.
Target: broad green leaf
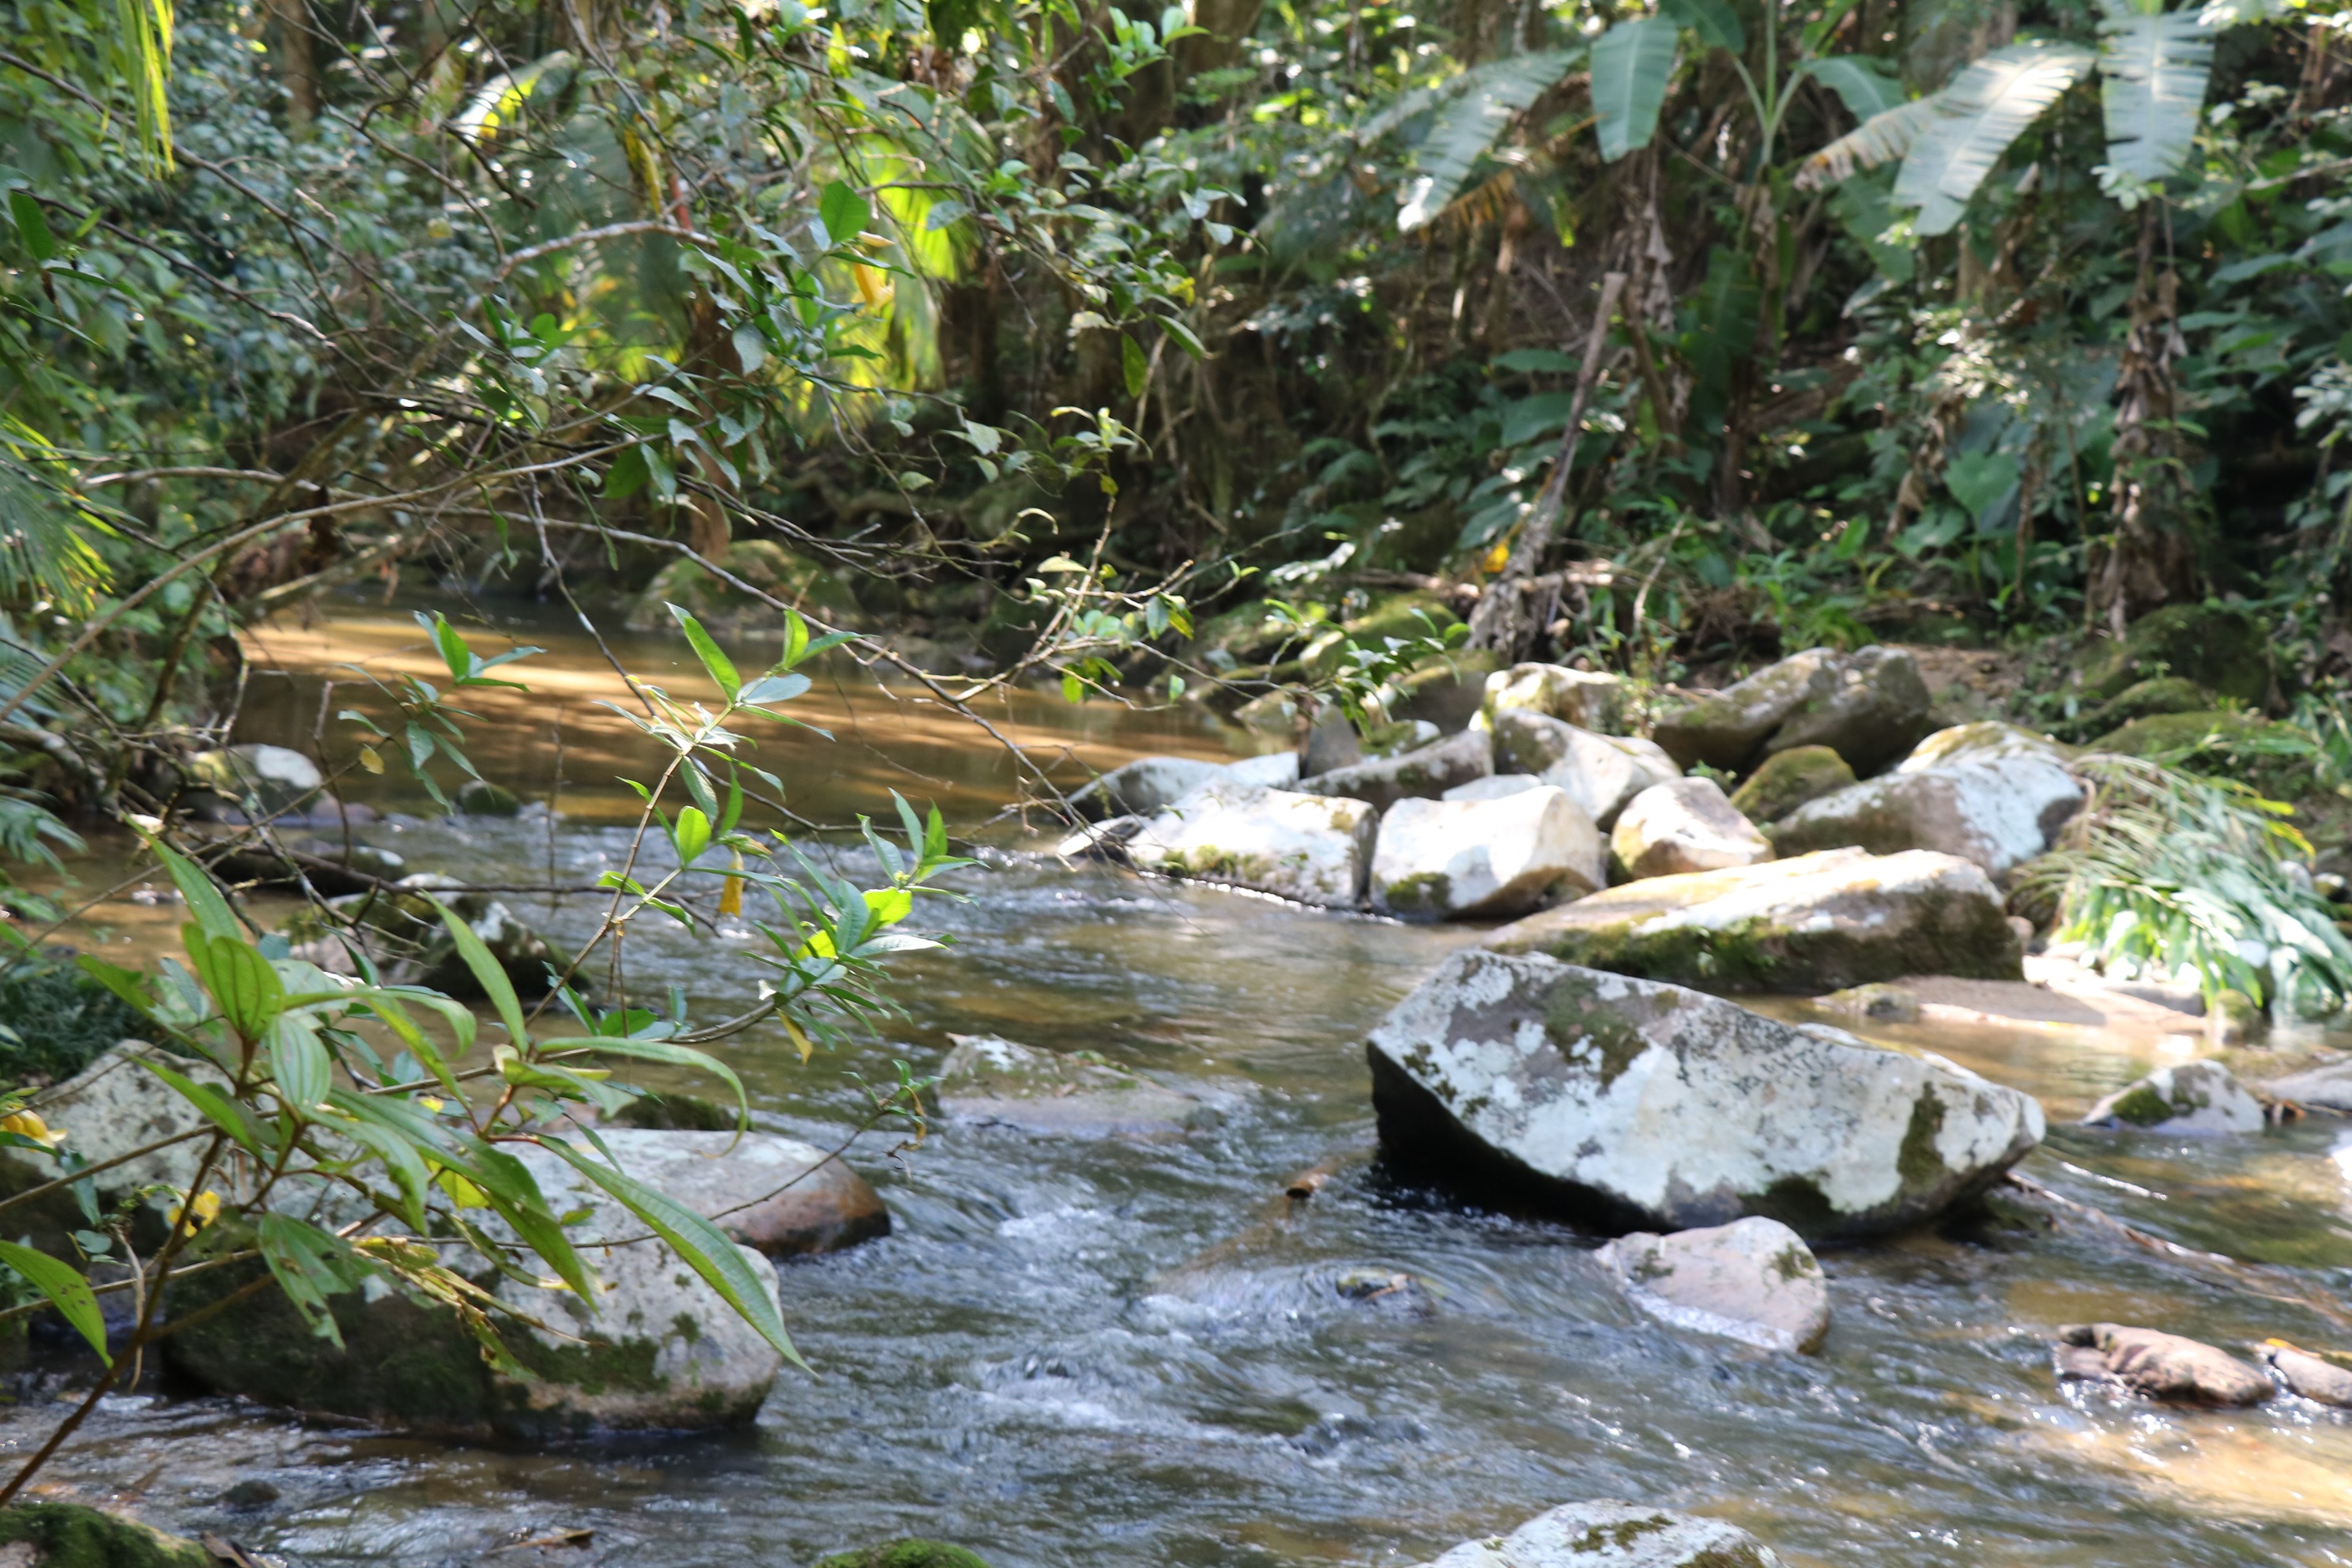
2153, 71
224, 1112
1859, 82
1631, 63
774, 688
690, 835
299, 1062
513, 1193
196, 889
66, 1290
844, 213
391, 1009
1133, 364
796, 639
702, 1246
1715, 23
309, 1266
1982, 482
242, 984
722, 667
488, 974
1977, 117
663, 1051
1475, 107
32, 225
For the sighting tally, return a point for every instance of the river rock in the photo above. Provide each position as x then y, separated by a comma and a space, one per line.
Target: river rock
2223, 648
1440, 859
777, 1195
2159, 1365
1495, 786
330, 866
261, 780
401, 928
1614, 1535
2187, 1097
1103, 840
1684, 825
1588, 701
1309, 847
661, 1350
2327, 1087
905, 1553
1817, 922
1872, 709
1728, 728
109, 1109
990, 1081
1424, 774
1599, 773
1754, 1280
1987, 793
70, 1535
1150, 785
1789, 779
2308, 1375
1631, 1105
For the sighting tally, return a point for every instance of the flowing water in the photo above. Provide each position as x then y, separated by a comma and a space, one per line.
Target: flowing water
1076, 1352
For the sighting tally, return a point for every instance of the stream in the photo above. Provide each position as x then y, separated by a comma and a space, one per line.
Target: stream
1096, 1352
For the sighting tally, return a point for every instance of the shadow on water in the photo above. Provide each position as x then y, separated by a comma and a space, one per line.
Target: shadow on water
1089, 1353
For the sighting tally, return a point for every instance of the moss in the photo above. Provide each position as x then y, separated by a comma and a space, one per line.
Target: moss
1586, 1035
2143, 1107
1426, 895
2276, 759
1788, 780
1794, 1263
67, 1535
1919, 1164
1799, 1202
1622, 1536
2220, 648
676, 1113
909, 1553
2144, 700
60, 1021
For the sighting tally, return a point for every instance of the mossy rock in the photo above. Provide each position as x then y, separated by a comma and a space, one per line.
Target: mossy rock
1407, 618
2145, 699
67, 1535
1789, 780
480, 797
762, 562
676, 1114
910, 1553
2220, 648
2275, 759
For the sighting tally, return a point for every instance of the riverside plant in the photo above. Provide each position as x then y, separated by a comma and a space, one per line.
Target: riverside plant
2168, 871
327, 1095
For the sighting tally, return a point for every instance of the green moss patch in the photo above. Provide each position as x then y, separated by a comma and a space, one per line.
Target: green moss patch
909, 1553
2220, 648
1789, 779
59, 1022
67, 1535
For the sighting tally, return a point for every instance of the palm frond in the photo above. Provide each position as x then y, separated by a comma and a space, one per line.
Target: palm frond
1488, 99
2153, 70
1986, 108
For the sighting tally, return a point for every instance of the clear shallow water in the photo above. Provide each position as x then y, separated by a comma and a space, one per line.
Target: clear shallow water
1110, 1352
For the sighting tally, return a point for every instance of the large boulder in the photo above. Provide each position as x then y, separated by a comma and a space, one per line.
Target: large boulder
1684, 824
777, 1195
1868, 707
1599, 773
2184, 1097
1465, 859
1754, 1280
990, 1081
1149, 784
1817, 922
2158, 1365
264, 780
1984, 792
1786, 779
1423, 773
1625, 1104
108, 1109
1495, 786
70, 1535
1614, 1535
659, 1350
1597, 702
2223, 648
1309, 847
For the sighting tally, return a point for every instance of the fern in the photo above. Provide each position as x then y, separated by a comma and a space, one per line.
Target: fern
1479, 104
1631, 63
1976, 119
2153, 71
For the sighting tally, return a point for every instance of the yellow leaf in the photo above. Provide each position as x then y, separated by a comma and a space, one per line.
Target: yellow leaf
29, 1125
890, 905
800, 1038
372, 760
462, 1192
730, 891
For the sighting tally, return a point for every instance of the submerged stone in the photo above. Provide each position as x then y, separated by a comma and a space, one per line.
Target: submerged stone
1817, 922
2187, 1097
1626, 1104
1614, 1535
1754, 1280
991, 1081
2158, 1365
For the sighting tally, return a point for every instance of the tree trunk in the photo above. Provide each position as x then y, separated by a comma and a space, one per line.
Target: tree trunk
2152, 555
296, 64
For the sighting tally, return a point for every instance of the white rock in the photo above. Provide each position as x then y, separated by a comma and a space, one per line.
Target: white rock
1313, 848
271, 777
1149, 784
775, 1195
1599, 773
1816, 922
1987, 793
1726, 728
1495, 786
1425, 773
1438, 860
2189, 1097
1614, 1535
1275, 770
1754, 1280
1625, 1103
113, 1106
1588, 701
1688, 825
1103, 840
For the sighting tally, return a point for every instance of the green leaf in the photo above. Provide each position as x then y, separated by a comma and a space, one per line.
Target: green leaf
627, 475
309, 1266
700, 1244
488, 974
299, 1062
769, 690
197, 892
1883, 138
1715, 23
514, 1193
1860, 81
66, 1290
32, 225
1977, 117
243, 986
1982, 482
690, 835
224, 1112
663, 1051
1631, 63
722, 667
2153, 71
796, 639
1477, 107
844, 213
1133, 364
